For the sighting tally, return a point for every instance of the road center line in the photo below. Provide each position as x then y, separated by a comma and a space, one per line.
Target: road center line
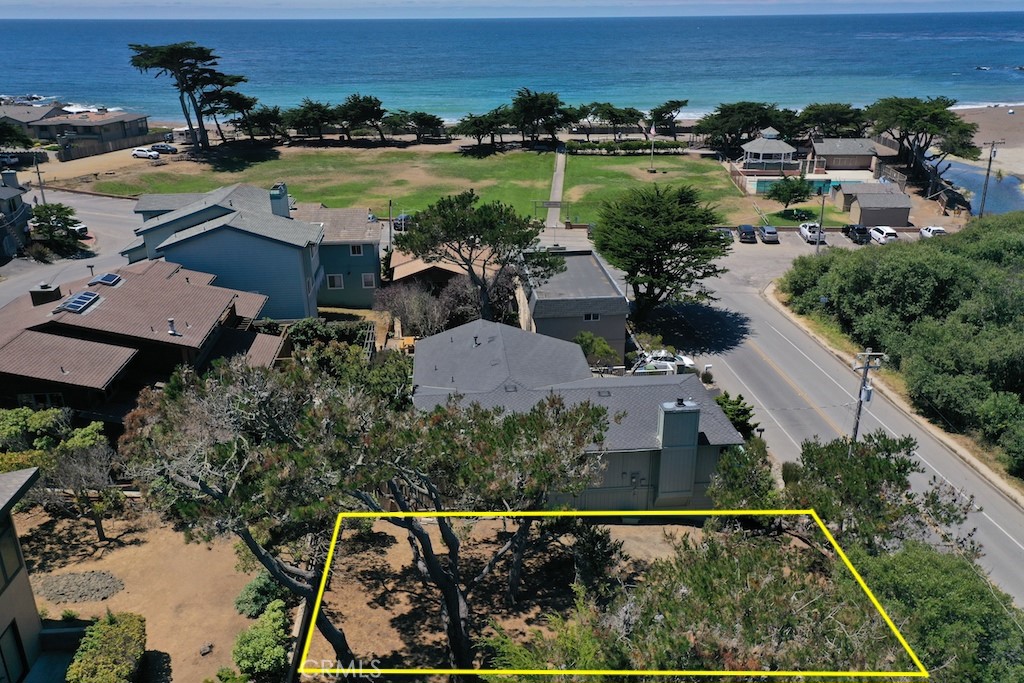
752, 395
893, 433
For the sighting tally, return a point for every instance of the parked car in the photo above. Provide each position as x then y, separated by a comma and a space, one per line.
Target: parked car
857, 233
164, 148
402, 222
746, 233
883, 234
145, 153
768, 234
812, 233
9, 160
726, 233
932, 231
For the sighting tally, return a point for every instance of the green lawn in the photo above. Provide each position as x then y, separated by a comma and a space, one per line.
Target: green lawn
592, 180
351, 177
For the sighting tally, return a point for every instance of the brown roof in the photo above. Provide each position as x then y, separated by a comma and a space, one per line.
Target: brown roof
249, 304
141, 304
63, 359
261, 350
341, 226
404, 264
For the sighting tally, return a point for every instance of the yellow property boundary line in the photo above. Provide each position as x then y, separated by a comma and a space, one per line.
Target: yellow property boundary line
920, 672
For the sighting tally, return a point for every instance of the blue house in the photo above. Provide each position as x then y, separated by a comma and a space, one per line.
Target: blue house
244, 235
349, 253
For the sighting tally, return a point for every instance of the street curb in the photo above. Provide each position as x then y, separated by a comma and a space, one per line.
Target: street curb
58, 188
983, 470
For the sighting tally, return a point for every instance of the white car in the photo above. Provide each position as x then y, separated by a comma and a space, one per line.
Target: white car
145, 153
932, 231
883, 234
812, 233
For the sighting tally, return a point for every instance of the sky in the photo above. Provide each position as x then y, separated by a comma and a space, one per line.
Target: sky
417, 9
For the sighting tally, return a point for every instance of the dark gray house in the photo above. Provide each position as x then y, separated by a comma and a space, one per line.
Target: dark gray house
659, 455
843, 154
14, 215
584, 297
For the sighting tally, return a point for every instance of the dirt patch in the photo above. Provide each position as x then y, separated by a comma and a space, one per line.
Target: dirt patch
389, 615
185, 591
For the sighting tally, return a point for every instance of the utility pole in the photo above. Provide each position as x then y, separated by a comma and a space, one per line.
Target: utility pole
869, 361
39, 177
988, 172
821, 223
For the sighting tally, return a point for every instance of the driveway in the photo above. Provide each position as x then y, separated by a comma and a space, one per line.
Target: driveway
111, 224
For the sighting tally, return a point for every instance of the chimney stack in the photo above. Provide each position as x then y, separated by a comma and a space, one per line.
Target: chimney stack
44, 294
171, 330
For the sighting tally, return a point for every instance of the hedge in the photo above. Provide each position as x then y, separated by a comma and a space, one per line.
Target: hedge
111, 651
625, 147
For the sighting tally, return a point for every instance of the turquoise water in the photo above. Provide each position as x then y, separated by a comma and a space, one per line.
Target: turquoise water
452, 67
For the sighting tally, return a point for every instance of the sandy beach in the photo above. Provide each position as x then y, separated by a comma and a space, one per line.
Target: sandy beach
997, 123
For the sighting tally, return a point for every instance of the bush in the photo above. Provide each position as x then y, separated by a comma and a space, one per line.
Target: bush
261, 652
258, 594
597, 349
309, 330
791, 472
39, 252
111, 650
228, 675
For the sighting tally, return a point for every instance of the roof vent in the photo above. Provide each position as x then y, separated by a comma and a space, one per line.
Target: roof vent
171, 329
604, 392
511, 388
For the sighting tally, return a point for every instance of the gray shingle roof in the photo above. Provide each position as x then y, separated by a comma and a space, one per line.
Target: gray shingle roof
25, 113
844, 147
13, 486
768, 146
508, 367
871, 188
166, 202
483, 356
583, 287
341, 226
636, 399
883, 201
268, 225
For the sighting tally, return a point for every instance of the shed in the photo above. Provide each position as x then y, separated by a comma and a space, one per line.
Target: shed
881, 209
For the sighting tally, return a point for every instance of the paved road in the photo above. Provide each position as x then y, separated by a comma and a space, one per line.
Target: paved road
800, 390
111, 224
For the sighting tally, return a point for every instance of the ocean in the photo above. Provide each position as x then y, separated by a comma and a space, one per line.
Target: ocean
454, 67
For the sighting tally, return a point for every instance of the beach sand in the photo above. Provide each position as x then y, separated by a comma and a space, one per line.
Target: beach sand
997, 123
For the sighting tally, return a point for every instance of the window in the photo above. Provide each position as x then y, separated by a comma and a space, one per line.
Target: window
591, 316
335, 282
357, 249
369, 281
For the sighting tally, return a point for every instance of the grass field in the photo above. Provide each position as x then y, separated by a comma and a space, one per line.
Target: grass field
412, 179
592, 180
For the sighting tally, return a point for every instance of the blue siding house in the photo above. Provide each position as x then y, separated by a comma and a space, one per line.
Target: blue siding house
349, 253
245, 236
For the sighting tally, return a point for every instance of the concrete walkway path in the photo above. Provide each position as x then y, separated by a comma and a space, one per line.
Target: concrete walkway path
554, 233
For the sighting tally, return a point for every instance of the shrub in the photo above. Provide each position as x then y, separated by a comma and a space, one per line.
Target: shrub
791, 473
39, 252
111, 650
596, 348
228, 675
258, 594
68, 615
261, 652
309, 330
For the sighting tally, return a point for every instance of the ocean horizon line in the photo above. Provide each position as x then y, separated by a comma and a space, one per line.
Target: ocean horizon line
646, 17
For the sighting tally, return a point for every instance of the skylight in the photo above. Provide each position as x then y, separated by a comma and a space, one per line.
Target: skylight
79, 302
109, 279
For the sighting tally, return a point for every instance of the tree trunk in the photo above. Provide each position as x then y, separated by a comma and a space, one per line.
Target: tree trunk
220, 132
515, 574
188, 117
204, 139
380, 132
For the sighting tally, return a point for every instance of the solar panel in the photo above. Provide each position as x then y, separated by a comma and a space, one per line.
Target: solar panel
79, 302
109, 279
